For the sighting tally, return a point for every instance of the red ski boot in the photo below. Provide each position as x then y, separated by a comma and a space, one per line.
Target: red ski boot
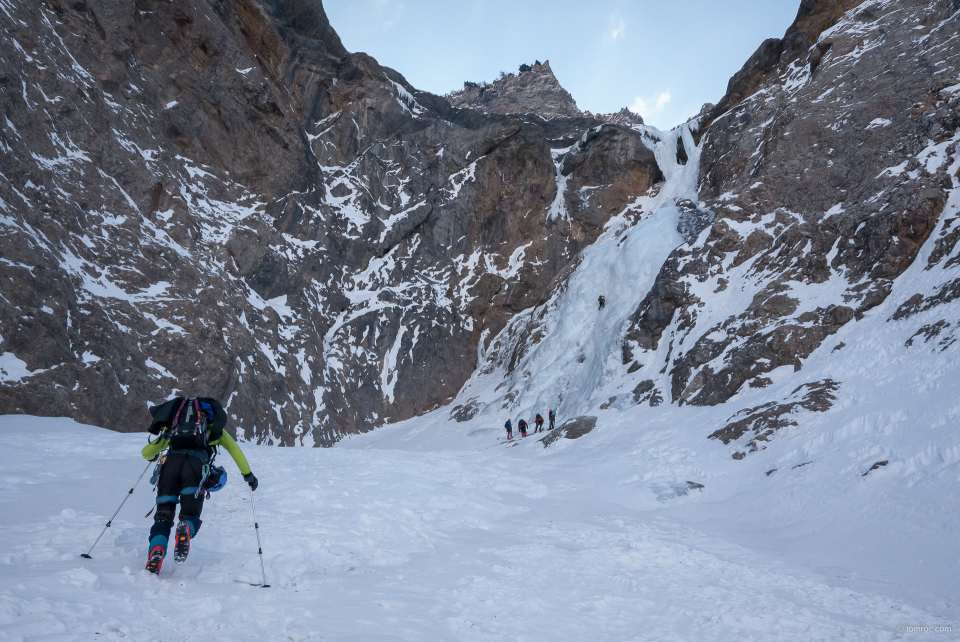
182, 547
155, 561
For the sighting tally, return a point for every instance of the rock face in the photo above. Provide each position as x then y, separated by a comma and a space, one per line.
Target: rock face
573, 429
827, 164
622, 117
798, 204
219, 199
533, 90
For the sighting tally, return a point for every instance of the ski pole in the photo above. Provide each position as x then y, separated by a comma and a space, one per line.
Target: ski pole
110, 521
256, 527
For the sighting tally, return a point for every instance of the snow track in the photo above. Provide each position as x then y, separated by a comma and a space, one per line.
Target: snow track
398, 543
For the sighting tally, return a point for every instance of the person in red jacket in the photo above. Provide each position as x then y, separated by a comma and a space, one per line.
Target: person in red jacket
539, 422
522, 425
552, 418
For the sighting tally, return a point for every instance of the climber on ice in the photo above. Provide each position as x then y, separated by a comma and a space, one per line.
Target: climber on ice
552, 417
602, 301
509, 427
522, 425
188, 429
539, 422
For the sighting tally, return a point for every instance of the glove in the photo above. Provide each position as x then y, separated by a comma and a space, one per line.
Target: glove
252, 480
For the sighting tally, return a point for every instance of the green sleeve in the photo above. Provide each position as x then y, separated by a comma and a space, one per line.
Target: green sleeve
231, 447
153, 449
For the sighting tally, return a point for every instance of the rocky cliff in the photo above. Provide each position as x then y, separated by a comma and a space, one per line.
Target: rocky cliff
826, 180
219, 199
533, 90
832, 161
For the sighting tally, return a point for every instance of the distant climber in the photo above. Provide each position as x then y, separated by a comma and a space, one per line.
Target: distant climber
539, 422
189, 428
552, 417
603, 301
522, 425
509, 427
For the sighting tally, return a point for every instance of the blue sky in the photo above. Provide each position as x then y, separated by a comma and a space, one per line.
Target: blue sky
662, 58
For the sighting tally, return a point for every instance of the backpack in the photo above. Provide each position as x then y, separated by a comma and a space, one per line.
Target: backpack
189, 423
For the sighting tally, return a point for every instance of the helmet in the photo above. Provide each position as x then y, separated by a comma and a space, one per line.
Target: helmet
216, 479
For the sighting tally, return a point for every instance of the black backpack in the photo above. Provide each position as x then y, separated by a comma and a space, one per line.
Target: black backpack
189, 423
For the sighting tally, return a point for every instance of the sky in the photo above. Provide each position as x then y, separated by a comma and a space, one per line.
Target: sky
661, 58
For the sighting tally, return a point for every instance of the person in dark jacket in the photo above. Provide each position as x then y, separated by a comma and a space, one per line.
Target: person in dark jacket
183, 473
509, 427
539, 422
522, 425
552, 417
602, 301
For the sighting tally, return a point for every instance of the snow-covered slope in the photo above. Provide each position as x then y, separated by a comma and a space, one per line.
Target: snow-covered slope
440, 536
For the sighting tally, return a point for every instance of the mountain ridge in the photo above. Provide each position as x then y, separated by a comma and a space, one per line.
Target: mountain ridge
221, 200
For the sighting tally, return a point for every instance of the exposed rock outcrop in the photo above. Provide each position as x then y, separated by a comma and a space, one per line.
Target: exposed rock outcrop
623, 117
531, 91
573, 429
219, 199
819, 179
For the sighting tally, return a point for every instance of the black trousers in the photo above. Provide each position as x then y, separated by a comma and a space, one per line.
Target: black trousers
179, 479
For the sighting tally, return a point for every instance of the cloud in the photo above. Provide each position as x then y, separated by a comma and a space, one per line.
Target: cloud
617, 27
650, 108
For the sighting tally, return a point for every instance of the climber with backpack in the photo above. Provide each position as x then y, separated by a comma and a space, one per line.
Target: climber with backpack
509, 427
189, 430
602, 301
522, 425
552, 417
539, 422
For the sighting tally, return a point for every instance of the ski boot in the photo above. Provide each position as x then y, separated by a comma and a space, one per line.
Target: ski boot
155, 560
182, 546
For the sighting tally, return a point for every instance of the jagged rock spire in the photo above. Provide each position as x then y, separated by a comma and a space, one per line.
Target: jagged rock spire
535, 91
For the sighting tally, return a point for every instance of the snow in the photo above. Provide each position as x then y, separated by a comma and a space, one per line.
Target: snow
896, 170
153, 365
936, 154
461, 178
406, 99
423, 531
281, 306
14, 369
389, 374
558, 208
836, 209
